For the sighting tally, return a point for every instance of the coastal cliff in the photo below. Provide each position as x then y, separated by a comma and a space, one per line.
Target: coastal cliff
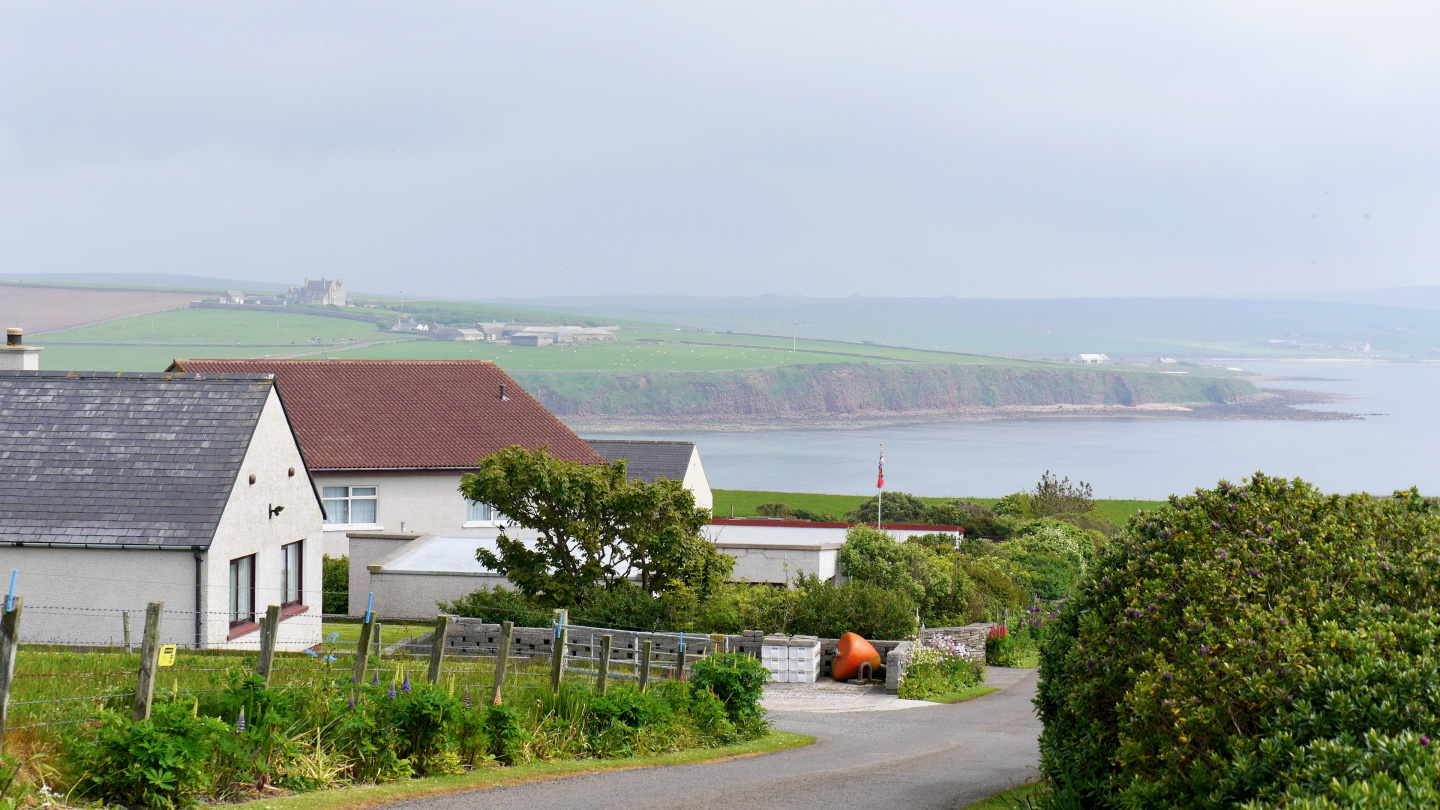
848, 392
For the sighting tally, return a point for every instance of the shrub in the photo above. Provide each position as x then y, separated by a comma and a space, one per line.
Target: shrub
978, 520
1047, 576
499, 605
817, 517
830, 611
160, 762
1248, 644
335, 583
739, 681
937, 669
1004, 648
898, 507
775, 510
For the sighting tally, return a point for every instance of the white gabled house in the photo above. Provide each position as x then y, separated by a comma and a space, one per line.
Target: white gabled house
119, 489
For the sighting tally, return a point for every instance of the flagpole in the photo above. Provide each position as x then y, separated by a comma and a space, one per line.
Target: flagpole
880, 498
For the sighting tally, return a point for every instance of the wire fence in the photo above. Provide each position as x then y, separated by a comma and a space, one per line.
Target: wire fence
78, 660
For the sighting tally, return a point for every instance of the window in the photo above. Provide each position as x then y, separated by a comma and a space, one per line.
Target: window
476, 512
349, 505
291, 570
242, 590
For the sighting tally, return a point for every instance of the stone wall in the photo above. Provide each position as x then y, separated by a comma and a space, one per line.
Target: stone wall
971, 635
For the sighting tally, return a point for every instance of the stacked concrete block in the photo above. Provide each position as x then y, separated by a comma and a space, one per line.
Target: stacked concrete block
793, 659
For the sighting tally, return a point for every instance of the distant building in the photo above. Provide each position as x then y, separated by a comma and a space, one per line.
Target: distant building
325, 292
1169, 361
532, 339
651, 460
1092, 359
234, 297
410, 326
466, 334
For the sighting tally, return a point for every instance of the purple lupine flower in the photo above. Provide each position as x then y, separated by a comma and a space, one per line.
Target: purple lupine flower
391, 693
376, 682
240, 721
352, 700
465, 696
405, 687
1424, 740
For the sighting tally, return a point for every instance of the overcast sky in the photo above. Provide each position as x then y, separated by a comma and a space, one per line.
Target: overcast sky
830, 148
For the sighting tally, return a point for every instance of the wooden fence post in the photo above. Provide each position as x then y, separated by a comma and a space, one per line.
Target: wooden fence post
645, 664
680, 659
269, 630
437, 646
149, 661
125, 618
362, 653
502, 659
604, 676
9, 640
379, 634
557, 662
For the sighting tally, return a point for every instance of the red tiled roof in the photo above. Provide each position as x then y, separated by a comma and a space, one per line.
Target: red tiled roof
406, 414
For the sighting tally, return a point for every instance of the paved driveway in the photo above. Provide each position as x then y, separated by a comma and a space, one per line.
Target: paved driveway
911, 756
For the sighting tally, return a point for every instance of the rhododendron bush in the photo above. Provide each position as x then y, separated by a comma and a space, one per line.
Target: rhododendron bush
1261, 645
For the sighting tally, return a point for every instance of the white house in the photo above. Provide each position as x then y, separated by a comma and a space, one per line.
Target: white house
780, 551
190, 489
388, 440
652, 460
1093, 359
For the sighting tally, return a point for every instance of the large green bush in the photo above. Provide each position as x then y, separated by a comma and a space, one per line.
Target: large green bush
1258, 645
335, 585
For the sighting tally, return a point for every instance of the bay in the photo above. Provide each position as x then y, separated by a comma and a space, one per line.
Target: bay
1394, 446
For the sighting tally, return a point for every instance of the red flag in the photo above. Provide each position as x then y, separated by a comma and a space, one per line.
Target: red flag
880, 481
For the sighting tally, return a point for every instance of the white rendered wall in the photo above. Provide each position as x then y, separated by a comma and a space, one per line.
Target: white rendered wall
779, 565
415, 596
696, 482
247, 527
424, 503
76, 595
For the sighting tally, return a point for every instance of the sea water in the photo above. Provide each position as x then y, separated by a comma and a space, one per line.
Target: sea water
1395, 445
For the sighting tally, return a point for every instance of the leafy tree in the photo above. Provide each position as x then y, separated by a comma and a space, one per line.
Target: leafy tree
899, 507
596, 527
335, 584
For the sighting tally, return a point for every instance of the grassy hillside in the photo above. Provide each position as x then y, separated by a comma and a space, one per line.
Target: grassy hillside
182, 327
863, 389
744, 501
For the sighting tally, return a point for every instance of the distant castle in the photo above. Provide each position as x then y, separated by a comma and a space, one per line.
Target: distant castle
325, 292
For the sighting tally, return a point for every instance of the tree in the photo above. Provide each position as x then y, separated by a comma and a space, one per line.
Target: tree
978, 520
596, 527
899, 507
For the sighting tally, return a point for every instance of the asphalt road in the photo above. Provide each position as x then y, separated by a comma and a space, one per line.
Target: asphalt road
932, 756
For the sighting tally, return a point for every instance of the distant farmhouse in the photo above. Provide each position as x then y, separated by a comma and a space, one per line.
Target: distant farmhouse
119, 489
324, 292
1092, 359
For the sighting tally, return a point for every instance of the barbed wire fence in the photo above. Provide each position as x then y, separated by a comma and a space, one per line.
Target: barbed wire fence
122, 660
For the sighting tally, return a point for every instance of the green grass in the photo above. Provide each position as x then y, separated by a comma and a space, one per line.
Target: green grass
745, 501
349, 632
226, 327
964, 695
1012, 799
482, 779
128, 358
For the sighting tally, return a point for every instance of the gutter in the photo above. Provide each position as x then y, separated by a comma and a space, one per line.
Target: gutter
125, 546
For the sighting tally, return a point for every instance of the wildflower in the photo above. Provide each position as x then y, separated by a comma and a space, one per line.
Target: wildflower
391, 693
352, 700
1424, 740
240, 722
405, 687
333, 637
376, 682
465, 696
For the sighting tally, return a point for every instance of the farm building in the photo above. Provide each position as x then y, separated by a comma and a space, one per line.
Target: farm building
779, 551
649, 460
326, 292
387, 440
190, 489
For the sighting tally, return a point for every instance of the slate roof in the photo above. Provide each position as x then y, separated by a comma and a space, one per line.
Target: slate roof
103, 458
648, 460
406, 414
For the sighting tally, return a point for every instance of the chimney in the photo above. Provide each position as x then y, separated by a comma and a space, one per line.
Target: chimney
15, 355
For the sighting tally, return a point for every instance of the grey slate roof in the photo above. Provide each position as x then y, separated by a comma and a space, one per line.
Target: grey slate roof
648, 460
144, 459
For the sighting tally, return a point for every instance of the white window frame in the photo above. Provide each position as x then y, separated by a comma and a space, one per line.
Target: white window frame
298, 548
242, 581
349, 499
498, 519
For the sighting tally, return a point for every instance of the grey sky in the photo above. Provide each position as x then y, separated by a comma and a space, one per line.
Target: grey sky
826, 148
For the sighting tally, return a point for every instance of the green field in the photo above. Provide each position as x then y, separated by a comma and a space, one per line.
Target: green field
188, 327
744, 502
150, 342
